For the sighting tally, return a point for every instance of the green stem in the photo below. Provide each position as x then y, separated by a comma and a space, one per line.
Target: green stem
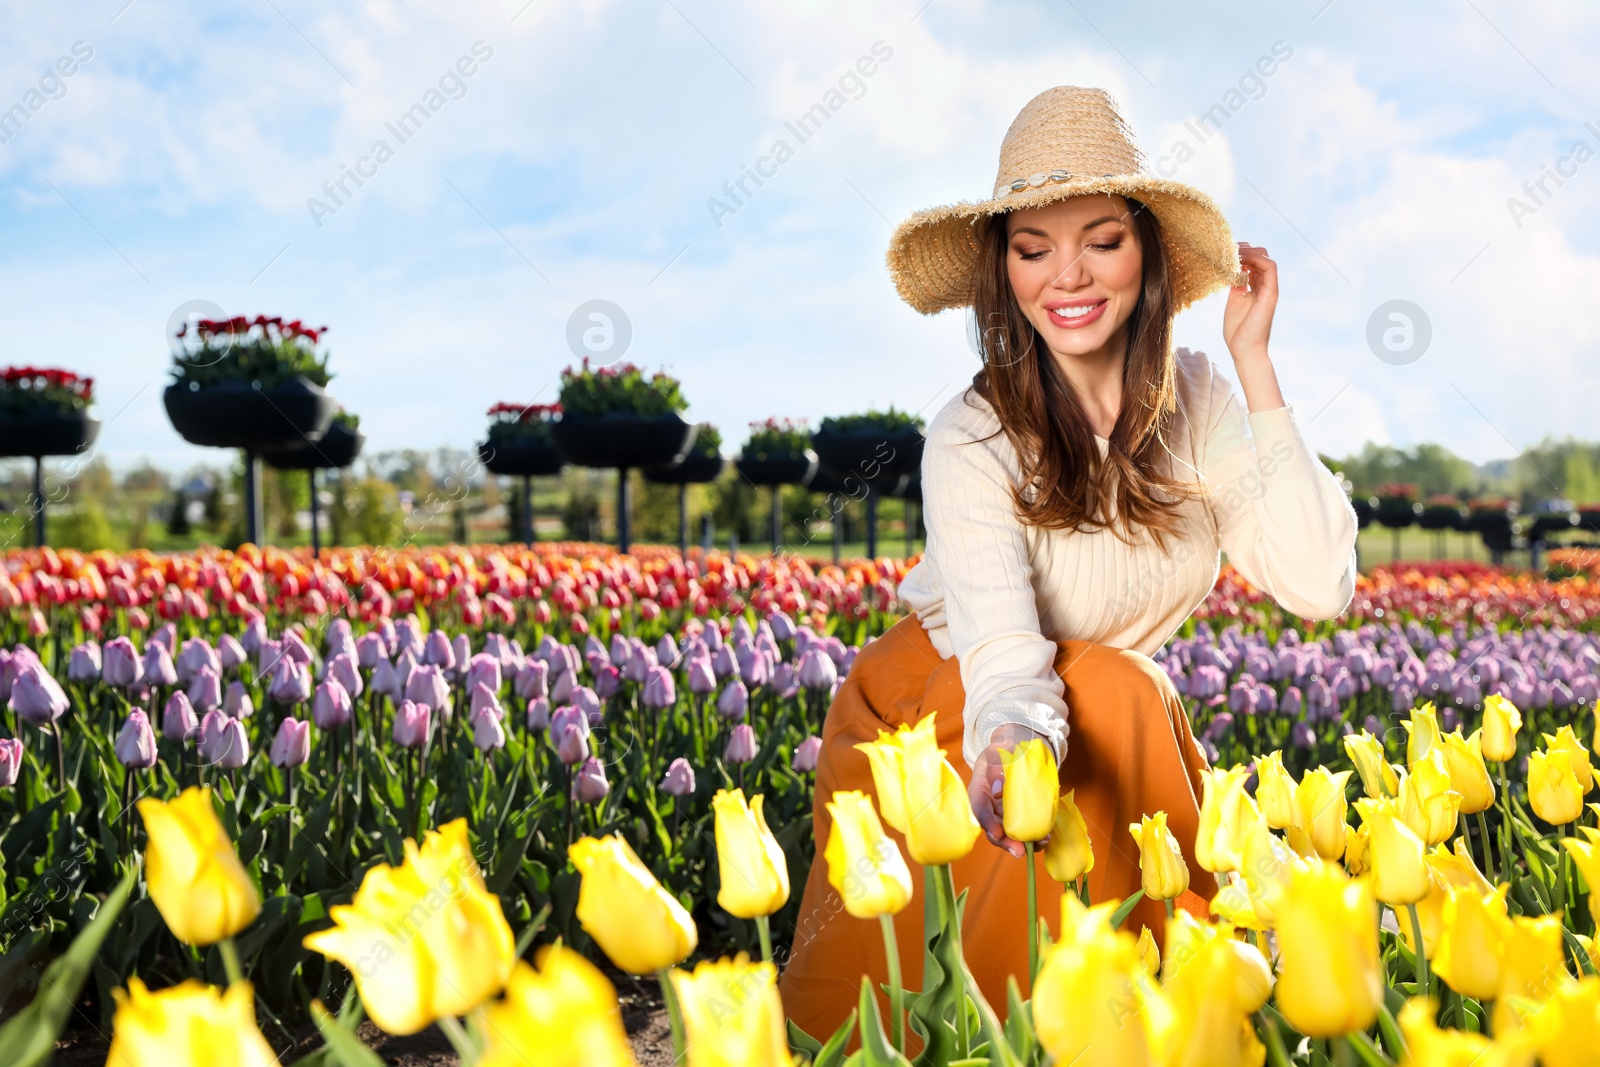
230, 960
1277, 1055
459, 1038
1488, 850
1343, 1054
1505, 826
1033, 917
896, 992
1168, 903
947, 900
765, 930
1421, 951
674, 1013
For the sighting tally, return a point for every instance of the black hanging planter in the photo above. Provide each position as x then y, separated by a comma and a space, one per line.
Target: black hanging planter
1589, 519
1397, 512
1364, 511
623, 440
334, 450
878, 457
1440, 517
45, 432
696, 468
776, 470
522, 458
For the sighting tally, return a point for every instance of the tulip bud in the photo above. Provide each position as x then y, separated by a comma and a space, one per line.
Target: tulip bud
461, 648
667, 652
589, 785
588, 702
483, 669
230, 653
167, 638
223, 741
236, 703
370, 648
487, 733
437, 650
158, 666
1275, 791
37, 697
723, 662
1162, 871
816, 671
1501, 721
1068, 855
342, 669
734, 702
659, 691
178, 721
538, 714
1032, 786
607, 680
742, 747
331, 708
569, 732
10, 761
532, 680
136, 743
865, 866
292, 746
291, 683
754, 876
122, 667
806, 753
427, 685
679, 780
637, 923
412, 724
85, 663
699, 675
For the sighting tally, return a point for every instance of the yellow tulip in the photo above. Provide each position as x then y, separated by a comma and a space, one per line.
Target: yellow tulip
1533, 965
565, 1012
187, 1023
732, 1015
1554, 792
864, 866
917, 786
1358, 850
1247, 979
1268, 863
1320, 814
1422, 733
1561, 1030
1589, 949
1162, 872
1501, 721
638, 924
1068, 855
1232, 905
754, 872
424, 940
1377, 775
1428, 804
1472, 938
1578, 756
1587, 856
1032, 786
1330, 978
1275, 790
1149, 954
1447, 869
1088, 998
1396, 855
1227, 811
1469, 776
1429, 1046
1212, 983
192, 871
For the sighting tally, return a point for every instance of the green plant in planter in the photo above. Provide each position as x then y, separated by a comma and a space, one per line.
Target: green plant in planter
623, 388
521, 423
891, 421
263, 349
707, 441
34, 390
777, 439
348, 420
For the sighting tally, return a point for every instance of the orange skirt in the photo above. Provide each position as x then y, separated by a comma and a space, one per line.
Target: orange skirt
1129, 753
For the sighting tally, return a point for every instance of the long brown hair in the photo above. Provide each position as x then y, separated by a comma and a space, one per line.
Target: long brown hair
1066, 484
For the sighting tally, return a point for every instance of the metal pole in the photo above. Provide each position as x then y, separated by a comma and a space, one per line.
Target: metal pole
527, 509
683, 518
38, 501
622, 510
316, 537
872, 523
252, 498
777, 518
838, 530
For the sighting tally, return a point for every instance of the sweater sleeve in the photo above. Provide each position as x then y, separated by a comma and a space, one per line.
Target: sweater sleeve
1282, 517
1007, 665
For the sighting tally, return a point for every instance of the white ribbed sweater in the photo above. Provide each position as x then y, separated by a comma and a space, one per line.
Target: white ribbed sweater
999, 594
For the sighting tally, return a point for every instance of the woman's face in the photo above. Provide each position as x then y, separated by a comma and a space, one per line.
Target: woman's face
1075, 268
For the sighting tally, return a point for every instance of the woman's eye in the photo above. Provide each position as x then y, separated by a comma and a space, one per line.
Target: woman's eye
1112, 247
1033, 255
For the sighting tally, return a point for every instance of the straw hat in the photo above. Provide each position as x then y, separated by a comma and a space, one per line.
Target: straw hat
1067, 141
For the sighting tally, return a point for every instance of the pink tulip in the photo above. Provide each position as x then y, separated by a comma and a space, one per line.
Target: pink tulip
484, 700
437, 650
428, 686
539, 714
412, 723
589, 785
205, 689
10, 761
734, 701
291, 683
487, 733
292, 746
342, 669
237, 703
659, 691
483, 669
135, 746
38, 697
121, 666
588, 701
330, 709
178, 722
701, 678
229, 747
166, 637
296, 648
532, 680
84, 666
158, 666
255, 632
742, 747
370, 649
679, 780
806, 753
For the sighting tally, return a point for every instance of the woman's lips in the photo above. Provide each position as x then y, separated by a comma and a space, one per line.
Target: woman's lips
1077, 322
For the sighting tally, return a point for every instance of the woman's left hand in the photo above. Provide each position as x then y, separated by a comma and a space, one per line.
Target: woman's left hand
1247, 320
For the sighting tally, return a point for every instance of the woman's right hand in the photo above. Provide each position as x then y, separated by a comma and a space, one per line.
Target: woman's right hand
988, 785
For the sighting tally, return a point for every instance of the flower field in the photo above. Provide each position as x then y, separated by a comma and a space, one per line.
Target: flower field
233, 785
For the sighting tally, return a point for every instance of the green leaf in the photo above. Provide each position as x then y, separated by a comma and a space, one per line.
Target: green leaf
29, 1039
874, 1042
344, 1047
1019, 1022
1123, 909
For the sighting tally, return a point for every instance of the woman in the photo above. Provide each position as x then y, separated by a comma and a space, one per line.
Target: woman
1077, 497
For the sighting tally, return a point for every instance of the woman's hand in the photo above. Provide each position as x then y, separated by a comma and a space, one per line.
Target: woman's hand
988, 785
1246, 326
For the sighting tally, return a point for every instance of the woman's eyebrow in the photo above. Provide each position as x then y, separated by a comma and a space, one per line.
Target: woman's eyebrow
1087, 226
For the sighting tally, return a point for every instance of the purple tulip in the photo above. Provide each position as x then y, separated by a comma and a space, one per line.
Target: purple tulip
166, 636
702, 679
370, 649
1300, 735
848, 660
589, 785
620, 650
291, 683
782, 626
269, 654
742, 747
484, 700
712, 636
569, 732
427, 685
38, 697
10, 761
588, 701
817, 671
532, 680
538, 717
292, 746
255, 632
412, 723
659, 691
407, 638
1319, 701
562, 689
84, 666
331, 708
386, 680
205, 689
723, 661
178, 722
679, 780
1289, 704
1219, 727
806, 753
1242, 696
342, 669
483, 669
437, 650
1266, 700
121, 666
607, 680
785, 681
339, 638
158, 666
487, 733
135, 746
195, 654
231, 748
236, 703
734, 701
295, 647
461, 648
1207, 684
755, 669
667, 652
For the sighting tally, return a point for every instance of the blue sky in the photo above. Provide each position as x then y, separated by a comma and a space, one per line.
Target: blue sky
576, 161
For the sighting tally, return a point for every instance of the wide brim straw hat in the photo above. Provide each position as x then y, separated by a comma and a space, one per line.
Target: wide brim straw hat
1067, 141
